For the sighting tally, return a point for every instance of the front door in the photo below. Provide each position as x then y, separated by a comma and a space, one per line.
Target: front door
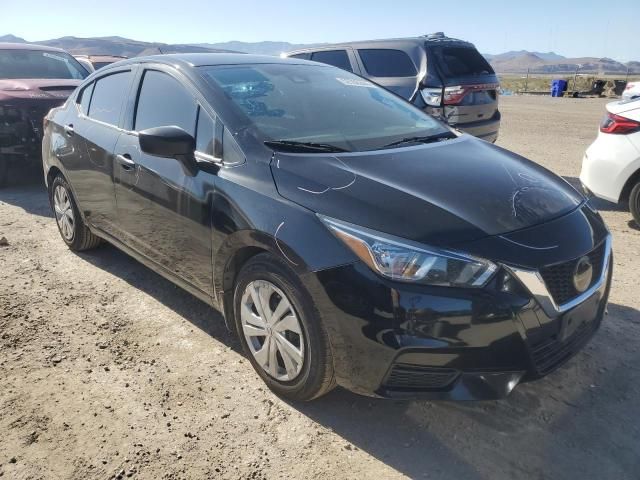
164, 212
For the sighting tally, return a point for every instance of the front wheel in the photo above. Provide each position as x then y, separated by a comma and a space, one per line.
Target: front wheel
634, 203
280, 330
72, 228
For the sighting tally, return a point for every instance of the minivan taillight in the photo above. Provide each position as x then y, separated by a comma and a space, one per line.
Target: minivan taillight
454, 95
447, 96
616, 124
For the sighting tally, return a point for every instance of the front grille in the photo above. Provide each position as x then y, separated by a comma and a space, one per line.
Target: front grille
559, 278
551, 353
415, 377
22, 123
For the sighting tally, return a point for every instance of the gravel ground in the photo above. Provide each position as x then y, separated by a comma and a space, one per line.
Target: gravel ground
109, 370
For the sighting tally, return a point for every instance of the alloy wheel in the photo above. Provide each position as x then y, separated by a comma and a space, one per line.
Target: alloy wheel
64, 212
272, 330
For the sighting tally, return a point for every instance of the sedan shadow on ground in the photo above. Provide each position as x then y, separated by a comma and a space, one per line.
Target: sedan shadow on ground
426, 439
32, 198
201, 315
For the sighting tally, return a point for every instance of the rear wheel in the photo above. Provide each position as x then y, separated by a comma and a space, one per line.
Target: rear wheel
280, 330
72, 228
634, 203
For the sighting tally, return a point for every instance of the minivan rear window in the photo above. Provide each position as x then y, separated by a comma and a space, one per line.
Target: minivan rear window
384, 62
461, 62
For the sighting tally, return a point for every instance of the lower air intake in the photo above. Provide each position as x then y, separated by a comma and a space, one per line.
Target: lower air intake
413, 377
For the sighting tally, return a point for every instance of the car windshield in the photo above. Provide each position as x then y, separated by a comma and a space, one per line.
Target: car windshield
40, 64
322, 105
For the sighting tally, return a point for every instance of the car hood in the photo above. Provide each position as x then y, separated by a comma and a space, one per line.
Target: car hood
36, 88
444, 193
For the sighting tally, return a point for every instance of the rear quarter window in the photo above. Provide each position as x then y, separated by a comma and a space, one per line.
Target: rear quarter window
301, 56
109, 94
85, 98
337, 58
384, 62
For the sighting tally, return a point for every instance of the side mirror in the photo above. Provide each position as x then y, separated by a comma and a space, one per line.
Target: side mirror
170, 142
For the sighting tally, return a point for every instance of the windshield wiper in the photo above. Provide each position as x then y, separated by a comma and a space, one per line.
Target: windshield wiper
424, 139
292, 145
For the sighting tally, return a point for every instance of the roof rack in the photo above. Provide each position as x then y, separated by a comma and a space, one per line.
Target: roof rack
441, 37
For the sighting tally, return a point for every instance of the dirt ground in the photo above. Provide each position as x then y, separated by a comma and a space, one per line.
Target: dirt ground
109, 370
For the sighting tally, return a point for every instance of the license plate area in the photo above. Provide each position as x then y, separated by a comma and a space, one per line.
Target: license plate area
581, 316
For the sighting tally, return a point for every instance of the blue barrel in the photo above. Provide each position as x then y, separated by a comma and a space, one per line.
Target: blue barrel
558, 88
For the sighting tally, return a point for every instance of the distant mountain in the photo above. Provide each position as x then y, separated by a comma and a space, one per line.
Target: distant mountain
551, 63
12, 39
518, 63
515, 62
551, 56
119, 46
258, 48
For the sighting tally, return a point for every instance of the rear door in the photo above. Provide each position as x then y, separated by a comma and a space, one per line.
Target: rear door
163, 210
393, 69
470, 84
94, 130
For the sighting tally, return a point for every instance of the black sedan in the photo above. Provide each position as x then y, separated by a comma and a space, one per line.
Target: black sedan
347, 237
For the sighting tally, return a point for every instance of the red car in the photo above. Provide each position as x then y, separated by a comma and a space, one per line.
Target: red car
33, 80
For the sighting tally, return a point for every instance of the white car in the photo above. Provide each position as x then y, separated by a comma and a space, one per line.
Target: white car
611, 165
631, 91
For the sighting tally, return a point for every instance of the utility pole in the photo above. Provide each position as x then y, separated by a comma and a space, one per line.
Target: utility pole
526, 82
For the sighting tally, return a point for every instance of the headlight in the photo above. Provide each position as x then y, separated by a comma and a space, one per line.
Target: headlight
405, 261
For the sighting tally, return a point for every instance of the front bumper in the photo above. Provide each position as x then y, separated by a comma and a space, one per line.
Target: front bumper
402, 340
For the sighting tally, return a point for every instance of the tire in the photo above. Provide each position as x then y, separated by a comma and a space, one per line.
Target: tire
314, 375
634, 203
71, 226
4, 172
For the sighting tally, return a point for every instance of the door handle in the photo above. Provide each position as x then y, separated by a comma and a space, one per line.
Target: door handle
68, 129
125, 161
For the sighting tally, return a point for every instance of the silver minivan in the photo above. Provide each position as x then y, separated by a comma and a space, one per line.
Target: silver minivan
445, 77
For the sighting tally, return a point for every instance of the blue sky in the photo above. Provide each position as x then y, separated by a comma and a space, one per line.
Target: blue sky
571, 28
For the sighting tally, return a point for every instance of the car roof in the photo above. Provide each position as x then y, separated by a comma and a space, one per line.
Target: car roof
29, 46
102, 57
435, 38
206, 59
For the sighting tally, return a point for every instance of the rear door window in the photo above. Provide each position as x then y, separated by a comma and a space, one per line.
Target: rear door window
109, 94
461, 62
164, 101
337, 58
384, 62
